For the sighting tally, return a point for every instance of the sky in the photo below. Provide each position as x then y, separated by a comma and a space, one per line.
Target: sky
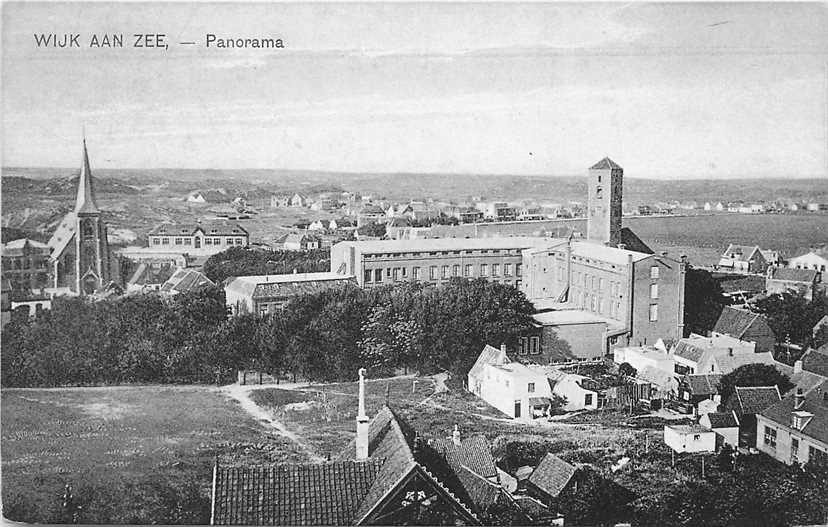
670, 90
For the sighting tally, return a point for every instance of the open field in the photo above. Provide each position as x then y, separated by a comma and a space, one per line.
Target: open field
704, 237
132, 454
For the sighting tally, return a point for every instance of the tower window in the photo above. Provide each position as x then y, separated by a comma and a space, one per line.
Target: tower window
599, 194
599, 178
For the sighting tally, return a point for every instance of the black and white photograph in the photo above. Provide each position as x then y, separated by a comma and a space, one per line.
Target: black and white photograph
414, 263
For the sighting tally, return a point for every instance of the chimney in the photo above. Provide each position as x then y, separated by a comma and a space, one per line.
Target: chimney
799, 399
455, 436
797, 367
622, 246
503, 347
664, 254
730, 351
362, 421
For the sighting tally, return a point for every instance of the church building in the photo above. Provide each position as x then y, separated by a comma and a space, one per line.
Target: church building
80, 260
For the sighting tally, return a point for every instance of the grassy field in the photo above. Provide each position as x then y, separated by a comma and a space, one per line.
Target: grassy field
704, 237
132, 454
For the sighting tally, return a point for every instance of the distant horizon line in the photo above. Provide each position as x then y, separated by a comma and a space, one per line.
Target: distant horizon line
368, 173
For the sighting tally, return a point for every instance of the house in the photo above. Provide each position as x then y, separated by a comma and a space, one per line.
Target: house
746, 402
725, 425
517, 390
795, 429
743, 259
816, 259
580, 392
653, 365
690, 438
696, 388
745, 326
386, 469
200, 238
802, 282
299, 200
278, 201
264, 294
716, 354
301, 242
316, 226
370, 213
185, 281
708, 206
550, 479
26, 265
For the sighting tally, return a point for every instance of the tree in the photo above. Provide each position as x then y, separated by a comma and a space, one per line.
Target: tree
792, 316
241, 261
753, 375
626, 369
703, 301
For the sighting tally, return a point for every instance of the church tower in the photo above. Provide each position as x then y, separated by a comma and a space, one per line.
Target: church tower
604, 188
91, 247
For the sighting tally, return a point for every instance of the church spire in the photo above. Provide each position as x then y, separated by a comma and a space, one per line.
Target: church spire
85, 204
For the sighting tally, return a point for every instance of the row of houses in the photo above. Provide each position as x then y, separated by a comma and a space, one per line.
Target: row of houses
761, 207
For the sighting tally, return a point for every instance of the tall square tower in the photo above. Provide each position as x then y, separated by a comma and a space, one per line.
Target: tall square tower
604, 189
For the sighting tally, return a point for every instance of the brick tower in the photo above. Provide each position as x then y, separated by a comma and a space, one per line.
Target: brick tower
604, 189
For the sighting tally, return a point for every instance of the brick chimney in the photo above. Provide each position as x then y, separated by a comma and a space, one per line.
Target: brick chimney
797, 367
799, 399
503, 347
362, 421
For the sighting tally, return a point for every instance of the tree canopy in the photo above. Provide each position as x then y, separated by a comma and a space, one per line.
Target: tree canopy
793, 316
703, 301
241, 261
753, 375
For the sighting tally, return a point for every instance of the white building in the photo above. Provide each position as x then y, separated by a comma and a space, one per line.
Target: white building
814, 259
690, 438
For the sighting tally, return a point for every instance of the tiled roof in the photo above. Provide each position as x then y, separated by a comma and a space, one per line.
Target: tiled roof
727, 363
482, 492
17, 247
687, 349
489, 355
308, 494
816, 361
793, 275
735, 322
64, 234
186, 280
752, 400
815, 403
605, 164
282, 285
703, 384
472, 453
219, 228
722, 420
552, 475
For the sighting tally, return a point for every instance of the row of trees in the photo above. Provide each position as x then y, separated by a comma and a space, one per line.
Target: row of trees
321, 337
240, 261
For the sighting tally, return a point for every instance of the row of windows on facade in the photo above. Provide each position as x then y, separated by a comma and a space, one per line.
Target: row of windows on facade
17, 264
613, 309
401, 273
189, 241
469, 252
814, 454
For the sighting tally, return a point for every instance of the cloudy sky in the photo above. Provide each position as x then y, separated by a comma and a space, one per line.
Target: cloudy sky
667, 90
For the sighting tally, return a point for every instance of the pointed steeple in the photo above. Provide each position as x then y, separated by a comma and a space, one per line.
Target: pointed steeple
85, 203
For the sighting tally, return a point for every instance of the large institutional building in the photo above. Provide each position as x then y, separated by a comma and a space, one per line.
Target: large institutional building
601, 292
80, 257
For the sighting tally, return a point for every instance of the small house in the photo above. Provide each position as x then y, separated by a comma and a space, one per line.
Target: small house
743, 259
725, 425
747, 327
802, 282
746, 402
690, 438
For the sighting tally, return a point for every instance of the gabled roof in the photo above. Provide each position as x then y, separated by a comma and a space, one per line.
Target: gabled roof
489, 355
186, 280
735, 322
752, 400
280, 285
727, 363
64, 234
742, 253
85, 202
17, 247
722, 420
605, 164
308, 494
816, 361
686, 348
472, 452
707, 384
632, 242
815, 403
552, 475
793, 275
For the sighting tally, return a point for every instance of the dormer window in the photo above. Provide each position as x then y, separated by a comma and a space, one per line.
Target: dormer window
800, 419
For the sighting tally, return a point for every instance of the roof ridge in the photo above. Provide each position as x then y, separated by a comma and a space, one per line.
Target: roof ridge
449, 492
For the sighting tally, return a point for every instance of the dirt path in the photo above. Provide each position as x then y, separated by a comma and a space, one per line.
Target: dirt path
242, 395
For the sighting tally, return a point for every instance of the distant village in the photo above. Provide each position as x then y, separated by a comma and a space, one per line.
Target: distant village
609, 331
